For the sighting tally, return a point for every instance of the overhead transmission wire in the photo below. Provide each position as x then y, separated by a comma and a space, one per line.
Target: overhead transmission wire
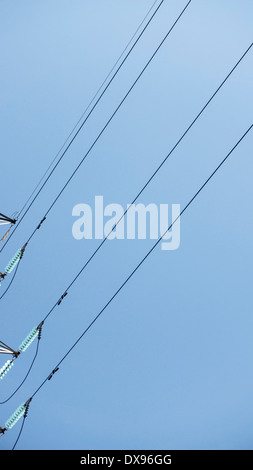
107, 124
87, 117
90, 149
161, 164
58, 302
27, 404
111, 118
10, 283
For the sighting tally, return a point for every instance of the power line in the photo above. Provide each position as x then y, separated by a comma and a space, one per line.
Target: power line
112, 116
10, 283
95, 96
20, 431
157, 169
161, 165
134, 271
58, 302
87, 117
108, 122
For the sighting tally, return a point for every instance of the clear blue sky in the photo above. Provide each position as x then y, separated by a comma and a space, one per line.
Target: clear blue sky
169, 364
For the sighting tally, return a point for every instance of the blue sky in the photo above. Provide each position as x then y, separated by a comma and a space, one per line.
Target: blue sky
168, 365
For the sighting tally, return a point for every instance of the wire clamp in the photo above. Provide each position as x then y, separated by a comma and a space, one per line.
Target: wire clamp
23, 250
15, 354
27, 404
53, 372
62, 297
41, 222
39, 327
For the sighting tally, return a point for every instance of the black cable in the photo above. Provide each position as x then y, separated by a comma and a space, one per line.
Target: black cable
108, 122
68, 181
122, 285
12, 279
102, 243
87, 117
158, 168
151, 178
142, 261
19, 434
119, 106
131, 275
139, 265
57, 303
92, 101
112, 116
26, 376
99, 247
